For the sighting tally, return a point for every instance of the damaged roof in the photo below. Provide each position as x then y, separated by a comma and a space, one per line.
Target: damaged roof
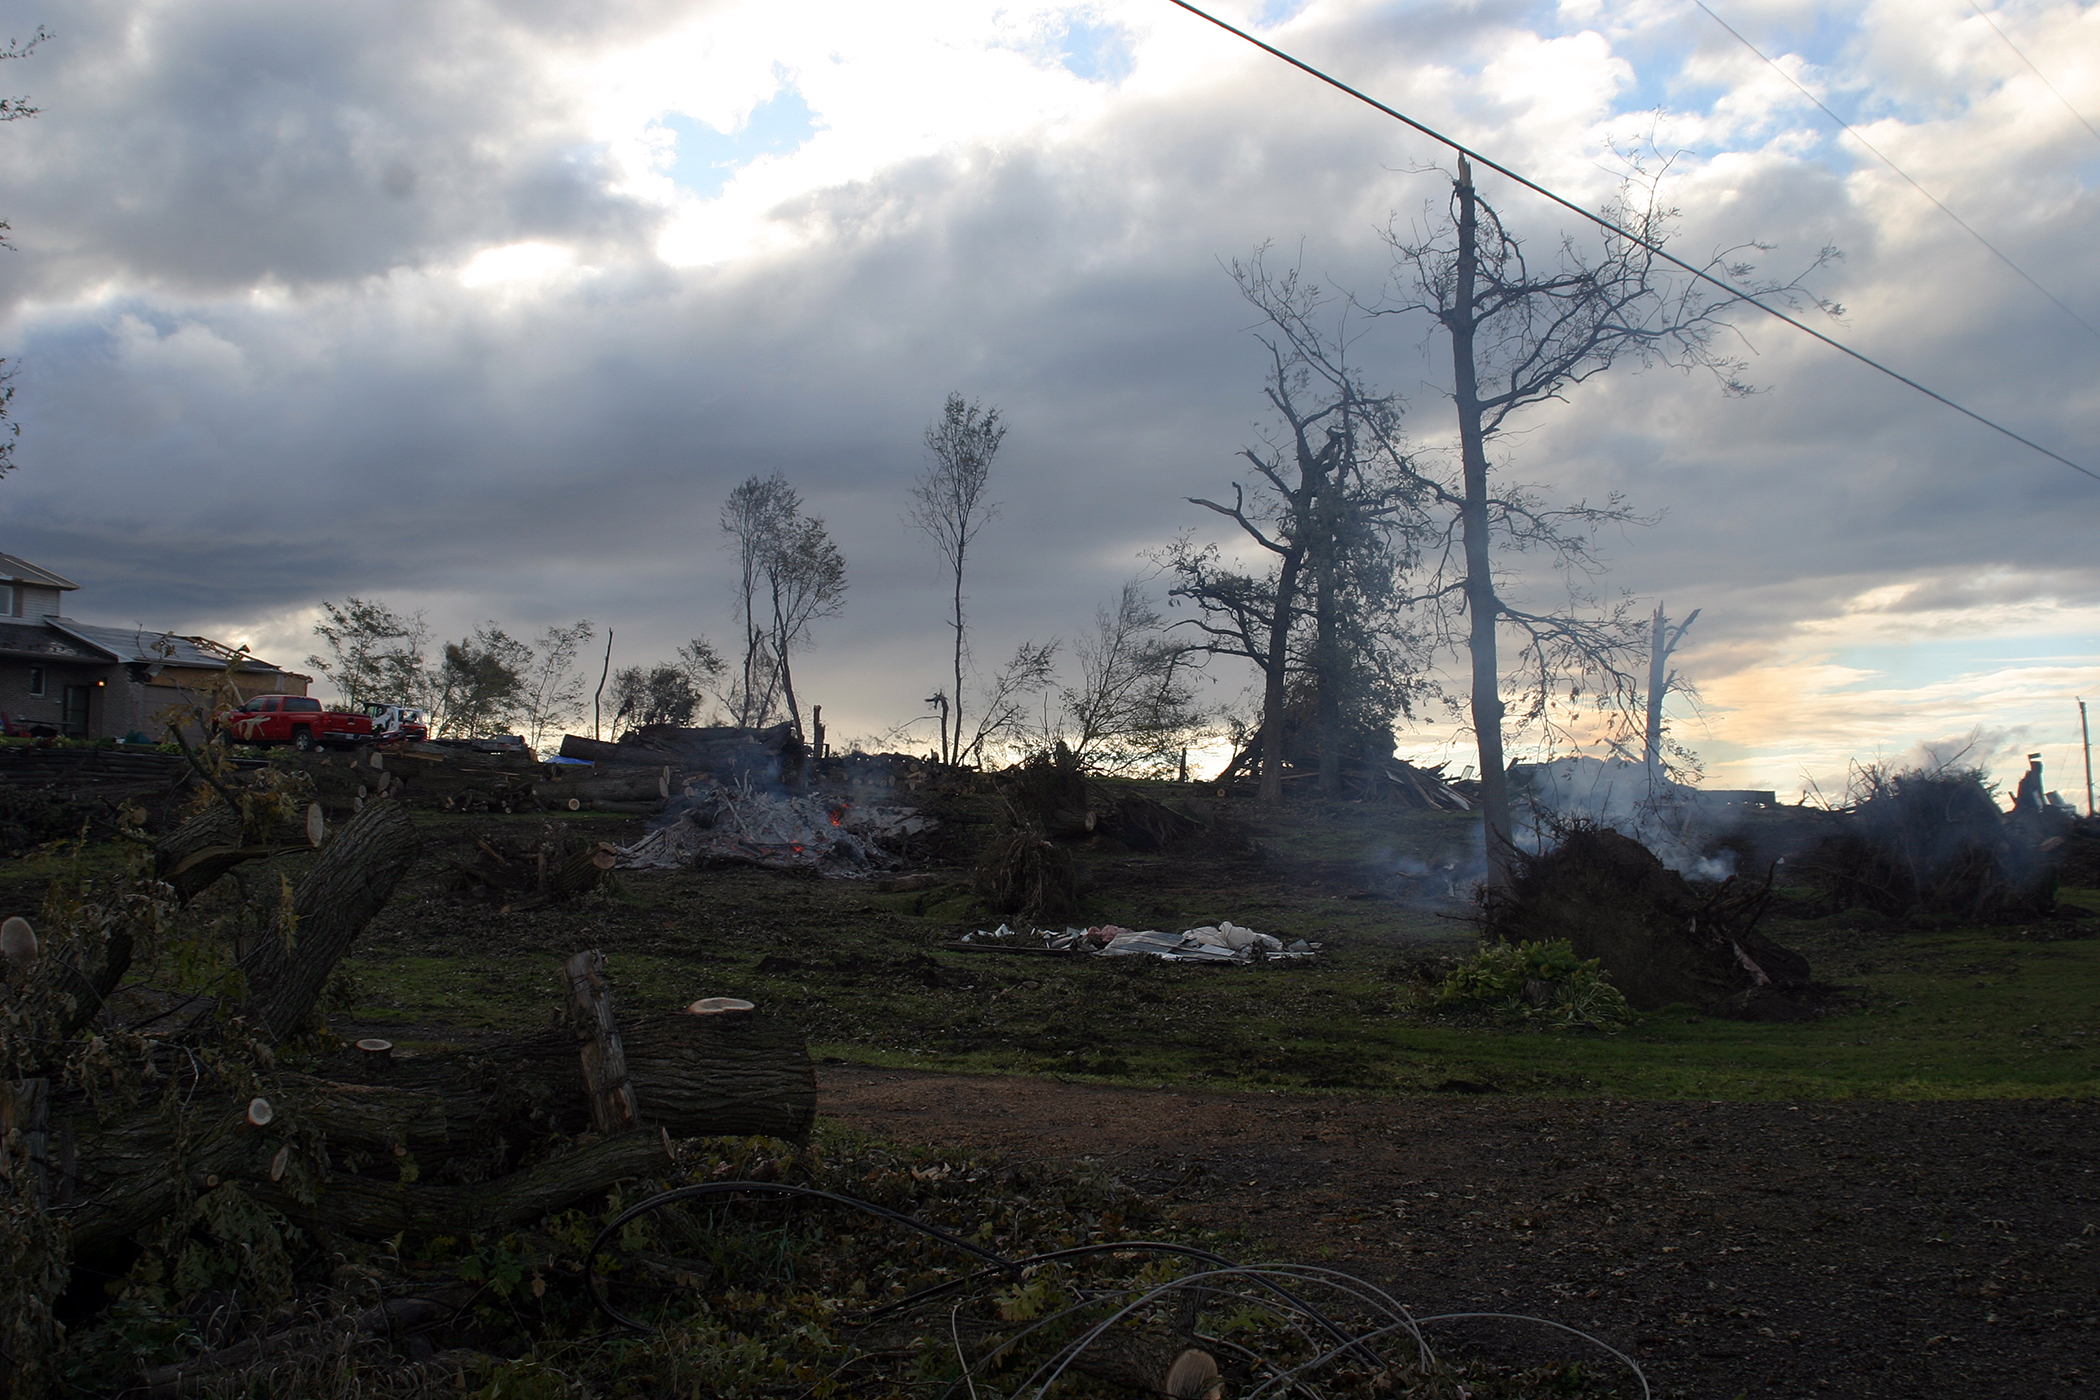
36, 640
144, 646
13, 570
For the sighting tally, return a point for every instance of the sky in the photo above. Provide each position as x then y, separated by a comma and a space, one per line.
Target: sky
481, 307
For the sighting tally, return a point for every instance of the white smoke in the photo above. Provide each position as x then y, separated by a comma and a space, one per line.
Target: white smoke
1670, 819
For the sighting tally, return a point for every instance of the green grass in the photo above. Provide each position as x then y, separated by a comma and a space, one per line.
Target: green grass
1963, 1013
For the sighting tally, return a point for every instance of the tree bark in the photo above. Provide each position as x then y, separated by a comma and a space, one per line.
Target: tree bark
350, 882
612, 1099
1483, 607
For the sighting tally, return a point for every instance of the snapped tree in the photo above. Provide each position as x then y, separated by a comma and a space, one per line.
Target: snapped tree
1521, 335
949, 505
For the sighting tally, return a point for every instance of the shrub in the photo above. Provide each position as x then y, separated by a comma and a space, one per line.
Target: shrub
1543, 983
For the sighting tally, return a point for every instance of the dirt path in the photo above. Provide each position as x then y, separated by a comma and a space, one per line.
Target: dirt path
1848, 1249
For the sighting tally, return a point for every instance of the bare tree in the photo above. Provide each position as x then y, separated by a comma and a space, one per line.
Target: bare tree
12, 109
1522, 335
553, 691
805, 577
1003, 706
948, 503
1134, 705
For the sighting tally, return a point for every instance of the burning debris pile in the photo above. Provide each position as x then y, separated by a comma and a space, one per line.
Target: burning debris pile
1221, 942
720, 825
1661, 942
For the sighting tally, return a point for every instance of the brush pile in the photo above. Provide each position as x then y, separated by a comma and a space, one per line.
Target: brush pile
1661, 942
1932, 843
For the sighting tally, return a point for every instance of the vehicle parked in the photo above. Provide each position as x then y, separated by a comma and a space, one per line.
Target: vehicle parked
397, 722
298, 720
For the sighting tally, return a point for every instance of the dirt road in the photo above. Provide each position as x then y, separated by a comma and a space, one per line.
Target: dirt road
1869, 1249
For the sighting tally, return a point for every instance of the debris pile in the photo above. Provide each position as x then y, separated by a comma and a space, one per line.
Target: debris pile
1933, 843
1661, 942
552, 868
721, 825
1221, 942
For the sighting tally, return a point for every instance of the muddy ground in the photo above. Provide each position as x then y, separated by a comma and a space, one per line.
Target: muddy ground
1869, 1249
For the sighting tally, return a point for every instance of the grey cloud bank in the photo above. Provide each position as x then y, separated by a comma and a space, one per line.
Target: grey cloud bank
260, 366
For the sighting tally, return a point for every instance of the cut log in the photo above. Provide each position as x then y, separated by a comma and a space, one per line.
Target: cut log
604, 1058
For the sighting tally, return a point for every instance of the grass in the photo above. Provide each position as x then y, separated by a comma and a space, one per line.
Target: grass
1944, 1014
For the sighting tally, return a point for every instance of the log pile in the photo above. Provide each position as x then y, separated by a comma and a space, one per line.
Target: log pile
450, 779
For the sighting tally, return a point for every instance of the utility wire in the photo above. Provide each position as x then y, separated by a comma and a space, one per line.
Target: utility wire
1632, 237
1937, 203
2032, 69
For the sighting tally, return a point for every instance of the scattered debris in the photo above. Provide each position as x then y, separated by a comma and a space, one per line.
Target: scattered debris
1223, 942
776, 831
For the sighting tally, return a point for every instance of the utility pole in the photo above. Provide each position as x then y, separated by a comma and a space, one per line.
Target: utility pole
2085, 733
1661, 643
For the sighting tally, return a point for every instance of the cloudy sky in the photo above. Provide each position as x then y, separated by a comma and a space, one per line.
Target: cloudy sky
481, 307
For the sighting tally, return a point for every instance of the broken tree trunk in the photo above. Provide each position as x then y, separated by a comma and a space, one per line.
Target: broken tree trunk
604, 1058
350, 882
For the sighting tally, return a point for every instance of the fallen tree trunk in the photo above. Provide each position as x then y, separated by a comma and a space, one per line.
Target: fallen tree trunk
350, 882
694, 1076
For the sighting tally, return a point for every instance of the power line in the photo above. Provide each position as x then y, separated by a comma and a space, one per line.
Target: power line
1631, 237
1848, 129
2032, 69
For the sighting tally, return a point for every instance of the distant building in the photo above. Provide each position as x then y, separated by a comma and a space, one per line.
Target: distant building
90, 681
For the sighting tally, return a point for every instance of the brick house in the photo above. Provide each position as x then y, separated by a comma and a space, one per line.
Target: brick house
88, 681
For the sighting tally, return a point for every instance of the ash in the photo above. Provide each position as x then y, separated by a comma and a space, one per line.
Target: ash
775, 830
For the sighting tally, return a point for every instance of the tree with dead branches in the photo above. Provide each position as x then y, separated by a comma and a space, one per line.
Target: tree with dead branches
949, 505
1522, 334
1134, 705
1330, 510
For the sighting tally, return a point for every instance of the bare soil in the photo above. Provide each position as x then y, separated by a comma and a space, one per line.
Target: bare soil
1869, 1249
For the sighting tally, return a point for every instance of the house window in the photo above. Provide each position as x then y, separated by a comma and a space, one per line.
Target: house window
7, 600
36, 680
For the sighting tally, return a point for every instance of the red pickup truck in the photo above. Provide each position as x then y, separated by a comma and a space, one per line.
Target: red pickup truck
298, 720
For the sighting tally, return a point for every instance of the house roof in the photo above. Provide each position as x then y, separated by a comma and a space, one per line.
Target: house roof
142, 645
34, 639
13, 570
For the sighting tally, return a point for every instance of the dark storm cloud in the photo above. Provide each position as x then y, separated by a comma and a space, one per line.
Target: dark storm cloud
541, 450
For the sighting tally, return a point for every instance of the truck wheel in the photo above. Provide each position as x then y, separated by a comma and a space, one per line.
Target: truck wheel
304, 741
